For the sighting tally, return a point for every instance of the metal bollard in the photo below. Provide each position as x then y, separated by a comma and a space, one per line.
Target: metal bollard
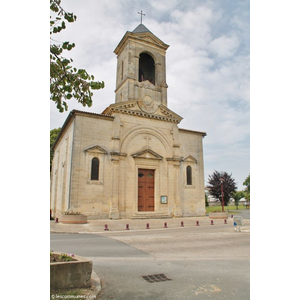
166, 225
147, 226
212, 222
197, 223
56, 220
105, 227
182, 225
225, 221
127, 226
231, 216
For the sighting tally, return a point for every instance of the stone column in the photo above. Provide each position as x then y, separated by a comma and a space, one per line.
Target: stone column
177, 209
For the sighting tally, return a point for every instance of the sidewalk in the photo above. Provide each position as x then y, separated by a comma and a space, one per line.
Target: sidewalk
98, 226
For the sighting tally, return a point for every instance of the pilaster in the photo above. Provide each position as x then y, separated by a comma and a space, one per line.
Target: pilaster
114, 209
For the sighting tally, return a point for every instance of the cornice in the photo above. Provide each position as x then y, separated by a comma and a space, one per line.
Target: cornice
126, 108
140, 37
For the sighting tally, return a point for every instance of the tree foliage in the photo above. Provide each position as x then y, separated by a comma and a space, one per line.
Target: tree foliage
66, 81
53, 136
214, 187
237, 196
247, 188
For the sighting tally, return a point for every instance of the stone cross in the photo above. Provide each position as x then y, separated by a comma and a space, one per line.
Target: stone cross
147, 138
141, 13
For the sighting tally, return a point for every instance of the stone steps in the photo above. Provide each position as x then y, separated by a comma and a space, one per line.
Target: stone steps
150, 215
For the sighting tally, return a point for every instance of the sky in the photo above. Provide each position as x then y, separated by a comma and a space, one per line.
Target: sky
208, 67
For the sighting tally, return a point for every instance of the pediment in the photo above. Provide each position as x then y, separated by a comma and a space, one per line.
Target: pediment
147, 154
190, 158
95, 149
136, 108
151, 38
147, 37
164, 111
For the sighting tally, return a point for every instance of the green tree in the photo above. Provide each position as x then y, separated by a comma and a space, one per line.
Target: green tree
237, 196
229, 186
206, 201
53, 136
67, 82
247, 188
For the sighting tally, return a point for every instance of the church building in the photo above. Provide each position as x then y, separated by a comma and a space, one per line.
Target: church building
132, 160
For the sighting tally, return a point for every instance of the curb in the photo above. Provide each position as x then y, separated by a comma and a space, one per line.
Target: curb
95, 284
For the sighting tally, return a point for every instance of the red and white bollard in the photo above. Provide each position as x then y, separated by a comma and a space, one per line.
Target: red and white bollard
197, 223
106, 227
147, 226
127, 226
182, 225
211, 222
166, 225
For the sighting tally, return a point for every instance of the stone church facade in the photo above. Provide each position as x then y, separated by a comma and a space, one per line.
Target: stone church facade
132, 160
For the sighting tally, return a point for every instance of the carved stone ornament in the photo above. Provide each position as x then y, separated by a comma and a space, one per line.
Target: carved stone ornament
147, 104
146, 85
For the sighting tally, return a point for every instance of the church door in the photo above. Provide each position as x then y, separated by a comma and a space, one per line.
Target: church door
145, 190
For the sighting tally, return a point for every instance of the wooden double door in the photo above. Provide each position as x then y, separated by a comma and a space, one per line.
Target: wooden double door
145, 190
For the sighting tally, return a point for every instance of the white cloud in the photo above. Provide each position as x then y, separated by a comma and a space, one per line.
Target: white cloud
224, 46
163, 5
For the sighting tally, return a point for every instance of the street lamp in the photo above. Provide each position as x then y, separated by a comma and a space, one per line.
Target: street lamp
222, 179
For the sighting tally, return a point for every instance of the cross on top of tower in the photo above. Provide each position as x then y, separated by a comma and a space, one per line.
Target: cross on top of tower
141, 13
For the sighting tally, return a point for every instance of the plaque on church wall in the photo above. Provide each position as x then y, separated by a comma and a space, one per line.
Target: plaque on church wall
163, 199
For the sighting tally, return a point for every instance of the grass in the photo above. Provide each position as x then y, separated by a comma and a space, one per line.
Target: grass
226, 208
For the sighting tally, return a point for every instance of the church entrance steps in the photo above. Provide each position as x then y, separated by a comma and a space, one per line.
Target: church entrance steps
150, 215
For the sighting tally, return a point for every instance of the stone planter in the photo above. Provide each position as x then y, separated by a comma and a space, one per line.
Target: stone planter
71, 274
218, 215
73, 219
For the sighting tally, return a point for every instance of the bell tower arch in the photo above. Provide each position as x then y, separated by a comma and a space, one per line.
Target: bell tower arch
146, 68
141, 69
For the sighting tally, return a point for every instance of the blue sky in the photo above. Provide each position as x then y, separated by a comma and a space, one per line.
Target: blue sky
208, 66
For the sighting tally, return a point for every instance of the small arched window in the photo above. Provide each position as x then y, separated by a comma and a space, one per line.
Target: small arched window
188, 175
95, 169
146, 68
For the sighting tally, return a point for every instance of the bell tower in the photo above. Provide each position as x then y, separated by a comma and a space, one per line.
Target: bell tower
141, 69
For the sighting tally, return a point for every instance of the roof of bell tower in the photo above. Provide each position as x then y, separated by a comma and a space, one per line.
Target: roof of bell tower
141, 28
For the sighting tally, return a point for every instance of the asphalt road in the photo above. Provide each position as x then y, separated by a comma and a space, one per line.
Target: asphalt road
208, 262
